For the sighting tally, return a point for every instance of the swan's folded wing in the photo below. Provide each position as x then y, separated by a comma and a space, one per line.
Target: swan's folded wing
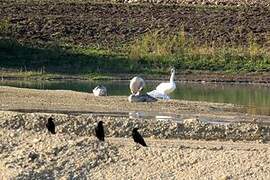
158, 95
161, 87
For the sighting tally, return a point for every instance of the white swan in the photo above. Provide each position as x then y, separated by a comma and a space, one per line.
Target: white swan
141, 98
168, 87
136, 85
163, 89
100, 91
158, 95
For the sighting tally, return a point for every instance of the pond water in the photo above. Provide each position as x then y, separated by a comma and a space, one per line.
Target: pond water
255, 98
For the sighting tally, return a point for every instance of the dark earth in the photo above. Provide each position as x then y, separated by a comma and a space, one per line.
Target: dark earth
112, 25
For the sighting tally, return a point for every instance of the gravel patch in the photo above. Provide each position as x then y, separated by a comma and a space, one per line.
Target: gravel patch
28, 151
83, 125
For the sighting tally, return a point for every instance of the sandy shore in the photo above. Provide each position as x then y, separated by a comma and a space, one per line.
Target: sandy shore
68, 102
31, 155
27, 151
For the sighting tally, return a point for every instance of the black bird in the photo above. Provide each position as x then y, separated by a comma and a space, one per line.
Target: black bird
51, 126
137, 137
100, 131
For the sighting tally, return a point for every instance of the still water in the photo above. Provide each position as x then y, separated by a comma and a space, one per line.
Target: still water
255, 98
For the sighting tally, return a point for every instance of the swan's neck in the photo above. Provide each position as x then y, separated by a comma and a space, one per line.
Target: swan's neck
172, 77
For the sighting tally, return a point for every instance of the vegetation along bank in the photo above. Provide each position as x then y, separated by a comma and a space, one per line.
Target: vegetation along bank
88, 38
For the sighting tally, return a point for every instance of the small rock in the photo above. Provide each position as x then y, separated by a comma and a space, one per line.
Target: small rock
225, 177
191, 121
36, 140
33, 155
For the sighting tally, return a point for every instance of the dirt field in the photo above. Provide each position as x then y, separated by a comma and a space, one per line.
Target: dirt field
116, 24
203, 2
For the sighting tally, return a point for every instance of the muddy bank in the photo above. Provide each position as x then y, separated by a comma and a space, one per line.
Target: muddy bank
71, 102
67, 100
183, 76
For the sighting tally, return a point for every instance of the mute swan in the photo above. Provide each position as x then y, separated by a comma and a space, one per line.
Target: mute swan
158, 95
168, 87
163, 89
136, 85
141, 98
100, 91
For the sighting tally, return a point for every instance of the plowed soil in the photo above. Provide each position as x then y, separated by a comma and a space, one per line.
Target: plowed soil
116, 24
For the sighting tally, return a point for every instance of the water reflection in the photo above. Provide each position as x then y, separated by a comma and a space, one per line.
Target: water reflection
154, 115
256, 99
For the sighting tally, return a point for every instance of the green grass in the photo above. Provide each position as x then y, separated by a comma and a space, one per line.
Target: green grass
153, 53
162, 51
56, 58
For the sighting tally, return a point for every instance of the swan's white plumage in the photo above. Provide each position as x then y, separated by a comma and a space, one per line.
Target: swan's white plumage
136, 85
158, 95
168, 87
163, 89
100, 91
